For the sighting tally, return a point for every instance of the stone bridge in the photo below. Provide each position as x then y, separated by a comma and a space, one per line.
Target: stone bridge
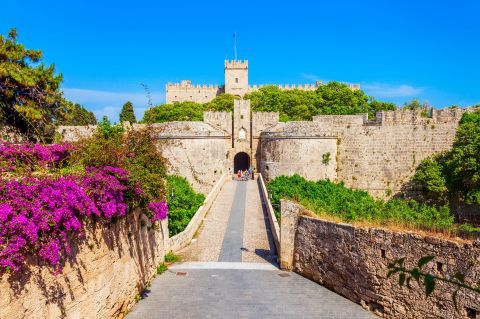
229, 270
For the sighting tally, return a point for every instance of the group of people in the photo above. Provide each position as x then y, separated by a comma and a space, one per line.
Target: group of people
245, 175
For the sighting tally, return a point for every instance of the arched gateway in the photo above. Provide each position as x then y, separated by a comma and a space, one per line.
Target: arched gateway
241, 161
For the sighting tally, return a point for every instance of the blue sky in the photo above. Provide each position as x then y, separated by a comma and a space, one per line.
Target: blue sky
397, 50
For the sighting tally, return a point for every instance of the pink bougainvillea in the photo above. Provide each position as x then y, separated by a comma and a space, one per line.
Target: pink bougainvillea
39, 215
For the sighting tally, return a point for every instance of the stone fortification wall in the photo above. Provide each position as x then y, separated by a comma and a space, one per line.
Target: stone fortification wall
352, 261
379, 155
101, 279
194, 150
75, 133
220, 120
186, 91
311, 156
11, 135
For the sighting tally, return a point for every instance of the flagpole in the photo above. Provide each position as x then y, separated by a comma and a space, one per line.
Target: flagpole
235, 44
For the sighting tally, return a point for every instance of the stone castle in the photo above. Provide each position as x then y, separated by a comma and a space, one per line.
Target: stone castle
378, 155
236, 83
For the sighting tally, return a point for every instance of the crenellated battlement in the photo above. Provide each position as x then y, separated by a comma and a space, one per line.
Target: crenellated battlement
418, 117
186, 91
187, 84
236, 64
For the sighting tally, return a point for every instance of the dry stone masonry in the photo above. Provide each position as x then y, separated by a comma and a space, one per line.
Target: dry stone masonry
352, 261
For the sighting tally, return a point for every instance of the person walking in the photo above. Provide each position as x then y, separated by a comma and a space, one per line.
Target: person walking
250, 172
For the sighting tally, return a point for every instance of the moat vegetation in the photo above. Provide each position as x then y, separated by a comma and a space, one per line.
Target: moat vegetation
292, 105
334, 200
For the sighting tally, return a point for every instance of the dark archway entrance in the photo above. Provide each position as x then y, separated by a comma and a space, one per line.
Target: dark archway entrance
241, 161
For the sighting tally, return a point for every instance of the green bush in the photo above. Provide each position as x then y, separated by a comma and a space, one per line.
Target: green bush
134, 151
334, 199
455, 174
183, 203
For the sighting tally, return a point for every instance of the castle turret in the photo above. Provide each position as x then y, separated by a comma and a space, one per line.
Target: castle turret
236, 77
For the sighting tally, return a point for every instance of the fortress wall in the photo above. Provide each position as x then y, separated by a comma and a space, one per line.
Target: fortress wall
302, 155
221, 120
379, 155
383, 157
352, 261
202, 161
189, 92
75, 133
263, 120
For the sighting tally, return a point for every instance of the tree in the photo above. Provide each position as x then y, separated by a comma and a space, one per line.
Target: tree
30, 99
459, 169
76, 115
181, 111
127, 113
222, 103
413, 105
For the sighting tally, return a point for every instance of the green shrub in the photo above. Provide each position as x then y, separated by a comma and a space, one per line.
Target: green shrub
334, 199
455, 174
183, 203
170, 257
134, 151
161, 268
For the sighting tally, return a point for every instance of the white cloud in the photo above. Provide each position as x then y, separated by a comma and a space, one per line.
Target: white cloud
384, 90
109, 103
310, 77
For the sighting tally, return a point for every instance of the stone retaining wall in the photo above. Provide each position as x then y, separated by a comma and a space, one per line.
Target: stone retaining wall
101, 279
352, 261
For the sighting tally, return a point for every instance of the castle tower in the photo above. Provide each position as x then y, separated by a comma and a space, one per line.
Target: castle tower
241, 135
236, 77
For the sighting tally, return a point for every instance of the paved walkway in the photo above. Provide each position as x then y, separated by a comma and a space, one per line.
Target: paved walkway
235, 229
228, 271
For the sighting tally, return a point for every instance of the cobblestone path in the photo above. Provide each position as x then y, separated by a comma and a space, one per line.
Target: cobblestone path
228, 271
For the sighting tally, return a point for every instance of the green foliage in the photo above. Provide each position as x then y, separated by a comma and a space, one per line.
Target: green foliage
183, 202
161, 268
326, 158
76, 115
222, 103
334, 199
456, 173
413, 105
134, 151
427, 279
170, 257
182, 111
107, 130
431, 177
332, 98
127, 114
30, 96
